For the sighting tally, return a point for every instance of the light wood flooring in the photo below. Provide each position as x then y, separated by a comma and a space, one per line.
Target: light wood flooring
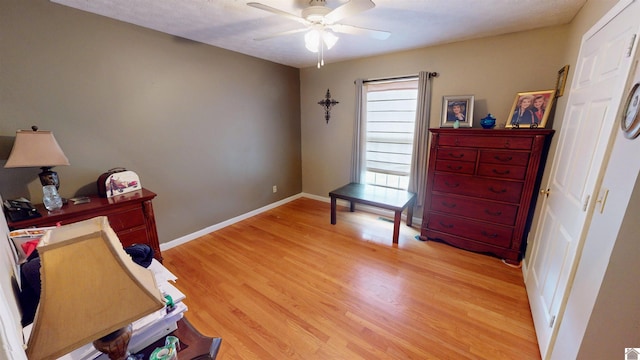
286, 284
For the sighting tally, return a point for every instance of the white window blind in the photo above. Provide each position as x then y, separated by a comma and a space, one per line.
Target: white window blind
390, 115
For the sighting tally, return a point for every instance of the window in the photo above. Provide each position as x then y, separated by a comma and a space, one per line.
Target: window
390, 123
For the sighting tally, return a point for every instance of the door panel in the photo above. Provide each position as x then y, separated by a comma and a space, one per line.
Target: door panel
602, 69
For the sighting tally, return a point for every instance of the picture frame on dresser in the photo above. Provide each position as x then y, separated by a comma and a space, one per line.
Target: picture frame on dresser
531, 109
457, 107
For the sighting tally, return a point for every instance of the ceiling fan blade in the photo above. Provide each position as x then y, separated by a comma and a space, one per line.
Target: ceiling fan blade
284, 33
349, 9
278, 12
354, 30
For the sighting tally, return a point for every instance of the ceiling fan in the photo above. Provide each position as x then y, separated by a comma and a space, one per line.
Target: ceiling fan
322, 22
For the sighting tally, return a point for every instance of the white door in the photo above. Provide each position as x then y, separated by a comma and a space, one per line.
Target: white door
602, 69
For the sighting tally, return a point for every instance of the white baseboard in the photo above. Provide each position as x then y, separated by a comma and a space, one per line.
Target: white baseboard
212, 228
218, 226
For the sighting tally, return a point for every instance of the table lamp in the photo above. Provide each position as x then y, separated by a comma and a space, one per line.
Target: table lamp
91, 289
37, 148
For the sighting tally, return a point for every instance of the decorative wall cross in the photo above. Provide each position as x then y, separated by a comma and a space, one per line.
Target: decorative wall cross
327, 103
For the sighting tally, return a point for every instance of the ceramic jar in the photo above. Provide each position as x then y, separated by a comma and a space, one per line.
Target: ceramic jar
488, 122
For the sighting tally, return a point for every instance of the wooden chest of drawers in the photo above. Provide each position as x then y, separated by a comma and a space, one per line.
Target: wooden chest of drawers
480, 187
130, 215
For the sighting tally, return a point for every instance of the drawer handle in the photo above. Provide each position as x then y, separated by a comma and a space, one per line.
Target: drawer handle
456, 156
503, 158
501, 191
454, 168
450, 206
496, 171
489, 212
484, 233
452, 185
449, 226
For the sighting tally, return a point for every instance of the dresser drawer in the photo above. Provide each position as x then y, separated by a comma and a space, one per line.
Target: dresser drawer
509, 191
498, 142
126, 219
459, 167
134, 236
502, 171
457, 154
499, 213
475, 230
504, 157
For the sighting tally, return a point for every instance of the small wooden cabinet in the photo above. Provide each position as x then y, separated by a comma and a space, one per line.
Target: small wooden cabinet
130, 215
480, 187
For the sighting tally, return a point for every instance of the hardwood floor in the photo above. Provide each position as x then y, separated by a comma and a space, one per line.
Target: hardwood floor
286, 284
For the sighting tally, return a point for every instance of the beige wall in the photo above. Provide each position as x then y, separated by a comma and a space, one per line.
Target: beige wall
209, 130
492, 69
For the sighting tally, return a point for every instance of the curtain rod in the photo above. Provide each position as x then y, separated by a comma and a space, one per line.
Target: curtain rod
431, 74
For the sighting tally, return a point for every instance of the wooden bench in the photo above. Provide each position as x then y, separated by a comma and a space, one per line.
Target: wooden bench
377, 196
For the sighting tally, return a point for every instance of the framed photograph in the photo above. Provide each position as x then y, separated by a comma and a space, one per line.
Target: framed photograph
630, 122
457, 108
531, 109
562, 80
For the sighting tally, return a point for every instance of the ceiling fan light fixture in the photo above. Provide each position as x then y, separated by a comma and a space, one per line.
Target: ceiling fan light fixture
312, 40
329, 39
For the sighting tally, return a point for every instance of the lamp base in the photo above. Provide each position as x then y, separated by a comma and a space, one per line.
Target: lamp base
116, 344
49, 177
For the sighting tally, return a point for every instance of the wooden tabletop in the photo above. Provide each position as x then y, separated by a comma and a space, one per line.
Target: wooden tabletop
375, 195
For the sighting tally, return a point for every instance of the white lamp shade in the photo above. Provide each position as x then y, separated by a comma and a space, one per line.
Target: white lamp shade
312, 40
35, 149
329, 38
90, 288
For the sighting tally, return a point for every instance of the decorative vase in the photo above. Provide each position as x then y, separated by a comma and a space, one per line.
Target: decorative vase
488, 122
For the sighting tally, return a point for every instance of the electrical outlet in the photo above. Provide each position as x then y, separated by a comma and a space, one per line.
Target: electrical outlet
275, 189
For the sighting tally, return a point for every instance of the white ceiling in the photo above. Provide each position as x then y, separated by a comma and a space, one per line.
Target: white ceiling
232, 25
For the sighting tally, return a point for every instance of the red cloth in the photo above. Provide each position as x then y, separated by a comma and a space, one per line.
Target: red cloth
29, 246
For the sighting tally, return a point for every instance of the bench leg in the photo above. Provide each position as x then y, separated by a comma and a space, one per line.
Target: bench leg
410, 213
352, 206
333, 210
396, 225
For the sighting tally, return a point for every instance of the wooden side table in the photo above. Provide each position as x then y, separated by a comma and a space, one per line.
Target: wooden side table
130, 215
193, 345
378, 196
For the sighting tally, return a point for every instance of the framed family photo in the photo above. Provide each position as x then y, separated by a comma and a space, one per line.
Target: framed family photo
457, 108
531, 109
